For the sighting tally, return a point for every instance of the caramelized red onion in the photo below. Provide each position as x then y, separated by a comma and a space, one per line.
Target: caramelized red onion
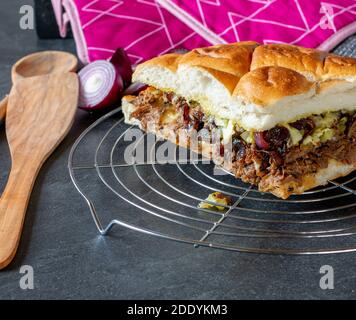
260, 141
239, 147
186, 116
272, 139
306, 124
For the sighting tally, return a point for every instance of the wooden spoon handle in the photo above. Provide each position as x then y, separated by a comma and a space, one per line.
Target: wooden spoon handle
3, 105
13, 205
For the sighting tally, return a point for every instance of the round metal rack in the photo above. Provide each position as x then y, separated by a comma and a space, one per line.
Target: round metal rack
105, 169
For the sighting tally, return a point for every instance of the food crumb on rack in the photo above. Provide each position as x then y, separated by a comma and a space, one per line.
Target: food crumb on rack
217, 198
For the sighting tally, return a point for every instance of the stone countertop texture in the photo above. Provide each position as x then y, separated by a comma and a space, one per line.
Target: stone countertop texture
71, 260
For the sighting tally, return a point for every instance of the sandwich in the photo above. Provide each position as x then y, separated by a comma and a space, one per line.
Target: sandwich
286, 115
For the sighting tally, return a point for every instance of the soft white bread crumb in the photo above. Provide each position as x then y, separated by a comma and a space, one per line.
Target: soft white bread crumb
275, 90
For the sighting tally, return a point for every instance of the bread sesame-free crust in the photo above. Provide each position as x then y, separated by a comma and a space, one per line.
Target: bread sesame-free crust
303, 60
260, 86
267, 85
241, 68
227, 63
169, 61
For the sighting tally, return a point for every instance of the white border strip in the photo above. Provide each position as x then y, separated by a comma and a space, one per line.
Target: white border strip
182, 15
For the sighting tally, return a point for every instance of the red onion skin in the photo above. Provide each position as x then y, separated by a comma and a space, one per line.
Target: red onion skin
122, 64
134, 89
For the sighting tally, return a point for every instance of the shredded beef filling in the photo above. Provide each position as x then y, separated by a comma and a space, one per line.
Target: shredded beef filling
267, 161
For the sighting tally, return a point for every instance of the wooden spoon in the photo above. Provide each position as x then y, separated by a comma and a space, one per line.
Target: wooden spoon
37, 64
40, 113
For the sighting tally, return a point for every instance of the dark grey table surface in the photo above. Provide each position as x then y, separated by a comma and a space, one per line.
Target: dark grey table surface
70, 259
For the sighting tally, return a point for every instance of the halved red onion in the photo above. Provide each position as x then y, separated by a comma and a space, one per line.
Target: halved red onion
122, 64
134, 89
100, 85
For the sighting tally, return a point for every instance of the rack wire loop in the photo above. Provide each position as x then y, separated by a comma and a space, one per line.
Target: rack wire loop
166, 197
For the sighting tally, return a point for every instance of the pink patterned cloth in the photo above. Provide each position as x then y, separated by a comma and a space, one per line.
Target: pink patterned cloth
147, 28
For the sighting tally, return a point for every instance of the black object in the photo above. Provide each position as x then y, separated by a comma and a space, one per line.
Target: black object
46, 25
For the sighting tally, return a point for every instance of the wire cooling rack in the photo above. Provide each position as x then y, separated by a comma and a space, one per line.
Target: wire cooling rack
161, 198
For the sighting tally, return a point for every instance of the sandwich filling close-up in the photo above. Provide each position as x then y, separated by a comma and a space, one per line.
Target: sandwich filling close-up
285, 152
283, 129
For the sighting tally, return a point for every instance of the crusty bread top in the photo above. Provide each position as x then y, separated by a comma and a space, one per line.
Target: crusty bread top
258, 85
169, 61
306, 61
314, 64
227, 63
269, 84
